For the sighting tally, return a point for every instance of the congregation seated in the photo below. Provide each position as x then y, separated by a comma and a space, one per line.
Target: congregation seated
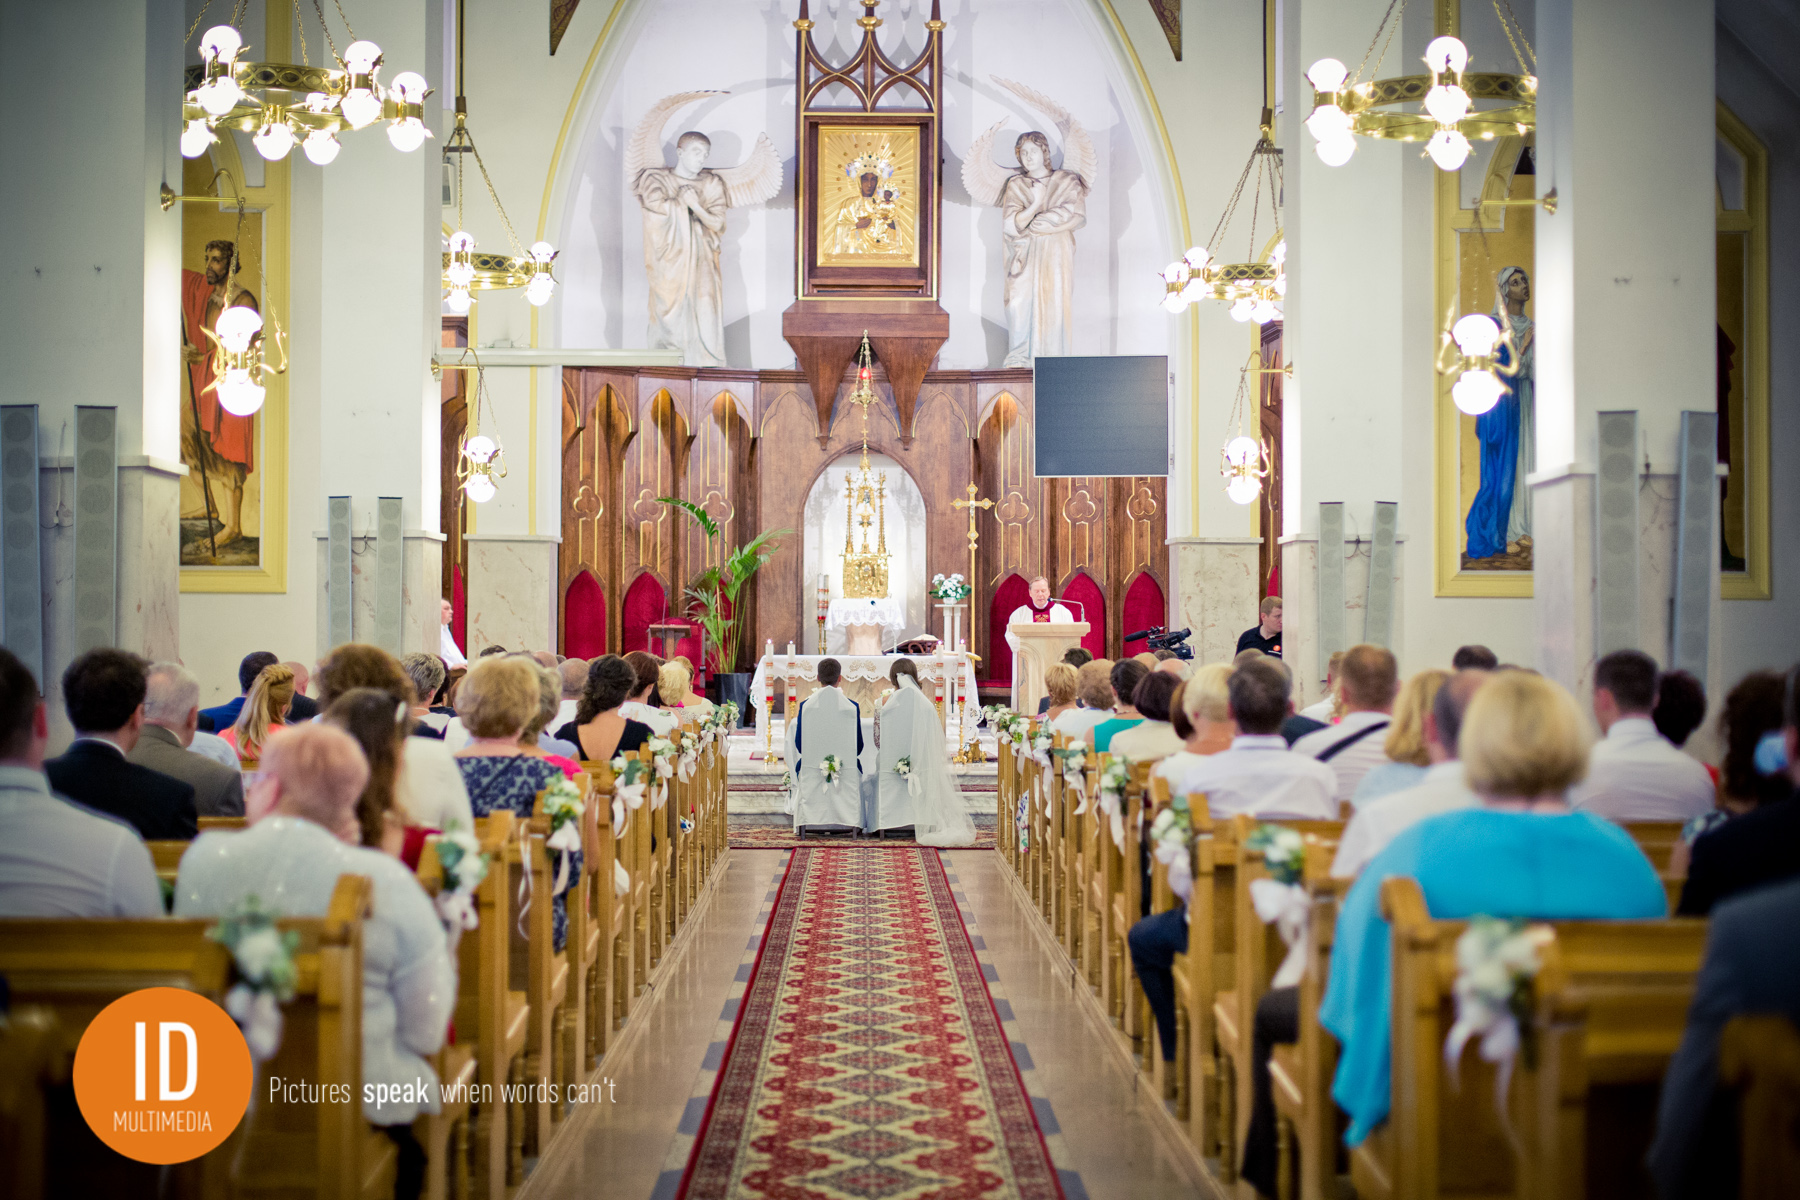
303, 707
264, 714
171, 715
304, 834
1059, 688
1074, 658
1258, 775
535, 740
1154, 737
430, 788
221, 717
1200, 715
1368, 678
1761, 847
1440, 788
369, 716
58, 858
1680, 709
426, 672
1404, 746
1520, 852
1093, 690
103, 694
1123, 678
1293, 726
644, 704
1474, 657
1634, 773
573, 674
1324, 710
675, 683
498, 699
599, 729
1754, 772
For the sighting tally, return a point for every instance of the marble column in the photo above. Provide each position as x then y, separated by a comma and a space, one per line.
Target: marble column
1624, 292
512, 590
1215, 591
90, 312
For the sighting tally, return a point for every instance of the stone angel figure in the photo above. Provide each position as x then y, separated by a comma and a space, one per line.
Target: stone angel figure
1041, 208
684, 221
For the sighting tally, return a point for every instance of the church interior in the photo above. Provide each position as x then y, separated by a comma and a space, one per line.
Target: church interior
690, 598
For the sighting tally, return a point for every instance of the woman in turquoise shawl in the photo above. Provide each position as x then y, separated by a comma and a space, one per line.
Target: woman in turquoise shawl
1501, 514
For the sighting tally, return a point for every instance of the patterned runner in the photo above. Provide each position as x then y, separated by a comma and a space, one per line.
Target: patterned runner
763, 831
868, 1060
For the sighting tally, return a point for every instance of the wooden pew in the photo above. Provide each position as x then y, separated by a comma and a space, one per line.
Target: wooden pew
536, 966
603, 925
1301, 1073
1759, 1057
165, 856
329, 1152
1656, 839
31, 1062
1610, 1004
207, 823
493, 1015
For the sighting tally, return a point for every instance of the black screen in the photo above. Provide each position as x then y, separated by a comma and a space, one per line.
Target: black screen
1102, 416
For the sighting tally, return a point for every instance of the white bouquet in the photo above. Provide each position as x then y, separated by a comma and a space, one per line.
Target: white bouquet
263, 956
831, 768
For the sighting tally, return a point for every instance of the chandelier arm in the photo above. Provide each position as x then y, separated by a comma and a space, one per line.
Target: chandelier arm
300, 32
330, 42
1510, 26
198, 17
518, 250
344, 19
1377, 38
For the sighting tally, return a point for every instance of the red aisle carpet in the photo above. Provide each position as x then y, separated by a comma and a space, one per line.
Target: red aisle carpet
868, 1061
764, 831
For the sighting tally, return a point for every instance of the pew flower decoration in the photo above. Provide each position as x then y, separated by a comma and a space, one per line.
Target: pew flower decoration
688, 743
465, 866
264, 958
563, 804
830, 768
1496, 960
1115, 777
904, 769
628, 789
1280, 900
949, 588
1172, 839
1041, 743
1074, 767
662, 757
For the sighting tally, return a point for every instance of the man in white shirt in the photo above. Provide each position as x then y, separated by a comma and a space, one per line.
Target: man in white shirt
1634, 773
1320, 710
57, 858
448, 650
1039, 610
574, 673
1443, 789
1368, 678
1258, 775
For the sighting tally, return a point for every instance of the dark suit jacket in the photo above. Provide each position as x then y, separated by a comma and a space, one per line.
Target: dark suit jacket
1297, 727
1757, 848
218, 790
1752, 966
222, 716
304, 708
99, 776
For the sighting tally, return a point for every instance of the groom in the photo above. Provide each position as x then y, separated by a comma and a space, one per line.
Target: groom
828, 723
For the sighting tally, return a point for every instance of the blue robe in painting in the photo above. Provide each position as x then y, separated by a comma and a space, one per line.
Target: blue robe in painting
1497, 429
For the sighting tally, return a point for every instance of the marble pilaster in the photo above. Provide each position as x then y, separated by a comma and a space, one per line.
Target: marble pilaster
512, 590
1300, 604
1216, 585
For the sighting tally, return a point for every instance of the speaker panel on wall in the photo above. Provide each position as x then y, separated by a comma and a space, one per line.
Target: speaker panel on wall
1696, 542
338, 624
1378, 608
21, 567
1616, 534
96, 575
390, 549
1331, 582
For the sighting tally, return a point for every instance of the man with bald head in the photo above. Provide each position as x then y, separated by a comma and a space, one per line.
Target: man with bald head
171, 715
304, 834
573, 673
304, 707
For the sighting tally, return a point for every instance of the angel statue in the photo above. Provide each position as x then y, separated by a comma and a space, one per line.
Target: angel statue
1041, 208
684, 220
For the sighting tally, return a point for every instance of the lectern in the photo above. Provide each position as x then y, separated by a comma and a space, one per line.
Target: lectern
1041, 643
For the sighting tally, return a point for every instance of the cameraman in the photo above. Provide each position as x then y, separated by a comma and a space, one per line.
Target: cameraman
1266, 636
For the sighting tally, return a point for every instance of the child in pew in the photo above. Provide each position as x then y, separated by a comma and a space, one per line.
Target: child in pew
304, 834
1519, 853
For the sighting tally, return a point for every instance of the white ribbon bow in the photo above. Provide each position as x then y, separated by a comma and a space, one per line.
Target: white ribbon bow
912, 783
258, 1014
567, 839
684, 769
621, 879
1283, 905
1109, 804
1174, 855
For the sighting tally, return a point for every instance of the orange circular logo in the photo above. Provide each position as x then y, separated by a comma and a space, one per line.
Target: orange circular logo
163, 1075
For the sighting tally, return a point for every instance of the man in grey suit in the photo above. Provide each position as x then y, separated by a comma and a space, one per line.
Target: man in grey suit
171, 714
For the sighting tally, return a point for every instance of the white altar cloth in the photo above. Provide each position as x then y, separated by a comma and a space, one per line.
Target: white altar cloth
957, 669
887, 612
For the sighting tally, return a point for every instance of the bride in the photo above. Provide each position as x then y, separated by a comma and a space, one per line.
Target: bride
907, 727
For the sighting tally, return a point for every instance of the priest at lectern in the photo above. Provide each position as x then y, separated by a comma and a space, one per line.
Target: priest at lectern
1040, 610
825, 747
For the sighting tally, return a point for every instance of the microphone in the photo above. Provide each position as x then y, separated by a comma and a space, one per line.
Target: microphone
1153, 631
1076, 603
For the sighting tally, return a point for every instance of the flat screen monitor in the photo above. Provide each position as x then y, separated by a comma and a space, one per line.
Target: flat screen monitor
1105, 415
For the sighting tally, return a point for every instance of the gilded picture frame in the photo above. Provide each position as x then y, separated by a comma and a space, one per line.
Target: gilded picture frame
867, 201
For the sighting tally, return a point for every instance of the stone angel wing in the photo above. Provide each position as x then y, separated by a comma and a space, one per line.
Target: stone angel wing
985, 178
755, 179
645, 147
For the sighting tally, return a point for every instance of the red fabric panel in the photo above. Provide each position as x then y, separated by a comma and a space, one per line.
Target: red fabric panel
1083, 588
645, 605
459, 611
584, 618
1144, 607
1012, 592
1274, 588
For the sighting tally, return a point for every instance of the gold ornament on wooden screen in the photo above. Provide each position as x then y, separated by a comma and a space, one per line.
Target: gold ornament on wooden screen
865, 496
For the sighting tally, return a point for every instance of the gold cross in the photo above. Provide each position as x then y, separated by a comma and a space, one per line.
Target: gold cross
972, 504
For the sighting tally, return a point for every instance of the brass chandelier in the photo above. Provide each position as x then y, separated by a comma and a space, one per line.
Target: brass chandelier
467, 270
289, 104
481, 459
1347, 105
1253, 289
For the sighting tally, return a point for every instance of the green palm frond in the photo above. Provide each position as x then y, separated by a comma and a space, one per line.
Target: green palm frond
700, 515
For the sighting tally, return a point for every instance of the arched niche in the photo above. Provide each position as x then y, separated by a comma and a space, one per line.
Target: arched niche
1145, 606
584, 617
1013, 591
645, 604
1092, 598
822, 544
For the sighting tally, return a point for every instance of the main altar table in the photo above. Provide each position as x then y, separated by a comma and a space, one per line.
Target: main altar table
949, 678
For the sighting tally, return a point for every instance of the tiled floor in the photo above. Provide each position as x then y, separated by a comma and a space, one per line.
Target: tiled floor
1094, 1111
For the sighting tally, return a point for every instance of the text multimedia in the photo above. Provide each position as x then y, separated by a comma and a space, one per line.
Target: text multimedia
155, 1120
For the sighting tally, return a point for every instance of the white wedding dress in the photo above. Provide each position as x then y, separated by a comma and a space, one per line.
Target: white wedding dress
910, 729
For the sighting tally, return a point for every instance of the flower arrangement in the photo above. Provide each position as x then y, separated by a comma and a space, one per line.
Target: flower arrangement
264, 958
663, 754
949, 589
1280, 900
465, 866
831, 768
1115, 777
1074, 768
1283, 850
1172, 839
904, 769
564, 803
1496, 960
629, 785
688, 744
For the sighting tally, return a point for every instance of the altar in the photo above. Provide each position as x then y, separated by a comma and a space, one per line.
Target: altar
949, 679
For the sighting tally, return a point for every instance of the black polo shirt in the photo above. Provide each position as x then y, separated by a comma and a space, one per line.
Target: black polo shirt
1253, 639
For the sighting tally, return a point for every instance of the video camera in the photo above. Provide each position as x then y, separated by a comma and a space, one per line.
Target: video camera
1161, 639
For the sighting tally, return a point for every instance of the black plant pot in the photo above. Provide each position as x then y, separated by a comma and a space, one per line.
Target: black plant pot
736, 688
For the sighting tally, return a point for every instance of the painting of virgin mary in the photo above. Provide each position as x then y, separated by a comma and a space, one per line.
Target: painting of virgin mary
1499, 521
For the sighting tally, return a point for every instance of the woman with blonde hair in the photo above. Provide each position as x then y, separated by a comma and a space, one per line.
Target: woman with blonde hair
1405, 745
1519, 853
675, 684
1093, 690
1201, 715
1059, 681
264, 713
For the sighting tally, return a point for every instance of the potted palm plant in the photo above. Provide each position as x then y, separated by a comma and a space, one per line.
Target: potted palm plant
713, 596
